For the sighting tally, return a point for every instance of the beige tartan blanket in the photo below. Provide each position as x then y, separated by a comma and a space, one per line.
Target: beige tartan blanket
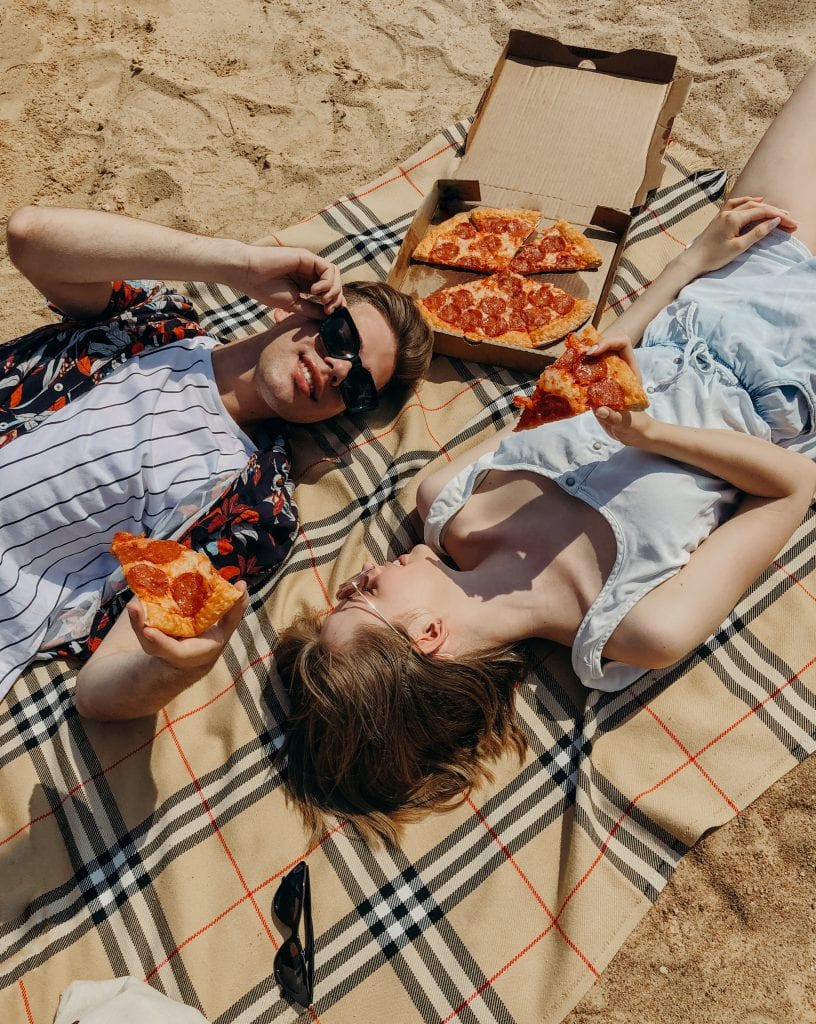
154, 848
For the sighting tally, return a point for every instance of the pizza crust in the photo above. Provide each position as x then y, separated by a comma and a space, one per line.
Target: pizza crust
579, 314
592, 258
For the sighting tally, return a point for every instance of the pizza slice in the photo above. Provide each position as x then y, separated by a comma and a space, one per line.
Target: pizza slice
181, 591
483, 239
505, 308
576, 383
560, 247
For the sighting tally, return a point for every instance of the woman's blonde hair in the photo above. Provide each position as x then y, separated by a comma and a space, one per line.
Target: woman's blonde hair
381, 733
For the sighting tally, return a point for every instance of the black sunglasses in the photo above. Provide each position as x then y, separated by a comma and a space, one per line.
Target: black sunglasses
342, 341
294, 965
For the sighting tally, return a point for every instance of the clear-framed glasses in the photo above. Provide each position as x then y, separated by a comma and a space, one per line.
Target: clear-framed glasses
355, 586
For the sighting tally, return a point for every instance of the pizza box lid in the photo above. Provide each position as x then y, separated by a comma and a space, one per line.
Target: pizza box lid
576, 133
569, 129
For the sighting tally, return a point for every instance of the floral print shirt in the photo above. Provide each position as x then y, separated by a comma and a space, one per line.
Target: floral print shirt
246, 527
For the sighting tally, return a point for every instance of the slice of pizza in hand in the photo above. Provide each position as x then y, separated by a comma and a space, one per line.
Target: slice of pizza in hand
182, 593
484, 239
577, 383
506, 308
560, 247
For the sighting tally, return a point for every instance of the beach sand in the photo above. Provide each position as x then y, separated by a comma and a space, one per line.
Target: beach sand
243, 118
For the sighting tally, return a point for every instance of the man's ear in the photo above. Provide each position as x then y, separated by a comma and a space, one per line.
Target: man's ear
432, 637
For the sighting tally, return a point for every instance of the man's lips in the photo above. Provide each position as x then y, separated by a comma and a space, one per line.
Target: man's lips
308, 379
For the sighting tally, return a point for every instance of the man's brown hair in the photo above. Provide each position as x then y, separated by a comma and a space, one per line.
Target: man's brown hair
414, 336
381, 734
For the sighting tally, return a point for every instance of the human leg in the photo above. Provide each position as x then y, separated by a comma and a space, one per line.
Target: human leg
782, 168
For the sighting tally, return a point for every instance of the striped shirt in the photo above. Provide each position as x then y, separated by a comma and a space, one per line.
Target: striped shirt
116, 458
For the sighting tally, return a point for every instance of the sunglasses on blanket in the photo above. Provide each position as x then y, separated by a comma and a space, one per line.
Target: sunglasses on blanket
294, 965
342, 341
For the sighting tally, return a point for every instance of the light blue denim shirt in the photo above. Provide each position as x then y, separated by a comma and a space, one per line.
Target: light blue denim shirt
660, 510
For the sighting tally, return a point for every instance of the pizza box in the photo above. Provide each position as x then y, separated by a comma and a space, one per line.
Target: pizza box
578, 134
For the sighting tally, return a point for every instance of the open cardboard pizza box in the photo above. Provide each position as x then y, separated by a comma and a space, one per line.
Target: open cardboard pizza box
575, 133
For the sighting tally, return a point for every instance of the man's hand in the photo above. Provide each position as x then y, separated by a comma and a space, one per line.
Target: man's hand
280, 276
189, 653
741, 223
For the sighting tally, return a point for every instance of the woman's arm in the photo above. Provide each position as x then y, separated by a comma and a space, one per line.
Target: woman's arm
136, 669
72, 256
728, 234
779, 485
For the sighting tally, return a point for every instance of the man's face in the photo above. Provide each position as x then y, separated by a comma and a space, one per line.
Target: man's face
300, 382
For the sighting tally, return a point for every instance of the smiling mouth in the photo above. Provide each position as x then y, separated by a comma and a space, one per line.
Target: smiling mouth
308, 377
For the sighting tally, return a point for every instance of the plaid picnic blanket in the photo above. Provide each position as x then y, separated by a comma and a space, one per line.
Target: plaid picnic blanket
153, 848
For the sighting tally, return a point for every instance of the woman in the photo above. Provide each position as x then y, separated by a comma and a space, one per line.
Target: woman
604, 533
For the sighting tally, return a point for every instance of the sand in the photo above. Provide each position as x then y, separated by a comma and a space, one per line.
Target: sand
241, 118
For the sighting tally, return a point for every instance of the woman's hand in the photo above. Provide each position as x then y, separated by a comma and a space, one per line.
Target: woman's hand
621, 346
279, 276
630, 428
189, 653
741, 223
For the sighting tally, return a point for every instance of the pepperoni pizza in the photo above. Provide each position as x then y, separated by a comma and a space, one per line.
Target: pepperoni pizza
506, 308
576, 383
181, 591
485, 239
560, 247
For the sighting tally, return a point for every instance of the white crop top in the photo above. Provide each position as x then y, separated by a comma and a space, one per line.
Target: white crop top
659, 510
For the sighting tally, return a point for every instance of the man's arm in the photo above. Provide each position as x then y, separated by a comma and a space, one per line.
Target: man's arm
72, 256
136, 669
729, 234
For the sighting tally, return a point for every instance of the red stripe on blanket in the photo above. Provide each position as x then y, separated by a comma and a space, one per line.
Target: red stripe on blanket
239, 902
379, 184
24, 994
553, 919
717, 789
217, 830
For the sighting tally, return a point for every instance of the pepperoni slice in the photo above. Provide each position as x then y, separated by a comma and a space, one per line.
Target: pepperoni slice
461, 299
492, 243
562, 303
471, 320
146, 579
552, 243
515, 321
494, 326
493, 224
434, 301
541, 296
590, 371
494, 305
568, 360
520, 265
510, 283
539, 317
606, 392
190, 592
465, 230
443, 252
543, 408
449, 313
159, 552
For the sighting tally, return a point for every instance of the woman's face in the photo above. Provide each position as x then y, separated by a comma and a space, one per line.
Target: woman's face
393, 593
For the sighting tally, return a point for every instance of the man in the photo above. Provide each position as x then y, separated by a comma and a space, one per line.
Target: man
129, 416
